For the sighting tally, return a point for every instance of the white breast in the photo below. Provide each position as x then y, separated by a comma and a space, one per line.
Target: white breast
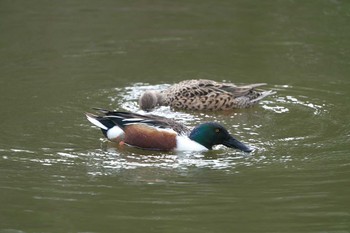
185, 144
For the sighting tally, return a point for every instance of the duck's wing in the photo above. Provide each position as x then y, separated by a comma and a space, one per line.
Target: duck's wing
194, 88
205, 94
236, 91
245, 90
204, 87
123, 119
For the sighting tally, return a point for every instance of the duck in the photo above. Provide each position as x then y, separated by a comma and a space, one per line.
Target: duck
204, 94
152, 132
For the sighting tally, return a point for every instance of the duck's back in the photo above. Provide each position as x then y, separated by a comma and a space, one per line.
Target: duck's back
205, 94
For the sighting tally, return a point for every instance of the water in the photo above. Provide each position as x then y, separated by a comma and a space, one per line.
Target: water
59, 59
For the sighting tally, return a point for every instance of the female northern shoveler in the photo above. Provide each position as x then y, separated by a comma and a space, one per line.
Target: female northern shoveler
204, 94
158, 133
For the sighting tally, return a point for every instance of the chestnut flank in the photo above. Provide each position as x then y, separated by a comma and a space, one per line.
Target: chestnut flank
147, 137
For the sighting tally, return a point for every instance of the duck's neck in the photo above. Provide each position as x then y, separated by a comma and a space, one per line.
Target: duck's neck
201, 139
161, 99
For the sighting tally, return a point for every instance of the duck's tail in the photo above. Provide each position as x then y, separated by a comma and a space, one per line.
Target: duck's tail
108, 127
262, 95
252, 86
245, 90
101, 122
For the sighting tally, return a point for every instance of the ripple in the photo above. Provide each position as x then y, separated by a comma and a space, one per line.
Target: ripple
127, 99
11, 231
112, 160
17, 150
287, 128
284, 104
290, 122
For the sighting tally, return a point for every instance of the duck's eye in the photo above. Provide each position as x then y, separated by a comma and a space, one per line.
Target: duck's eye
217, 130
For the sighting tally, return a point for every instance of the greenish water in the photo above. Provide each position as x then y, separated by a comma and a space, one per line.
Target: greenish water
60, 58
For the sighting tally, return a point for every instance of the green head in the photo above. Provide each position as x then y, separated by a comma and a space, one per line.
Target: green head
211, 134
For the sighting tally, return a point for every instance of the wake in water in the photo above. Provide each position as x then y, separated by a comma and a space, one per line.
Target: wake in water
283, 104
259, 125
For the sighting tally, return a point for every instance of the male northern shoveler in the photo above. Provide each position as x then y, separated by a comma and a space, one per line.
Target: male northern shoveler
159, 133
203, 94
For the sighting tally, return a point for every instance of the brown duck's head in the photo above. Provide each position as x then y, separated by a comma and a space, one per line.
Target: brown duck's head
149, 100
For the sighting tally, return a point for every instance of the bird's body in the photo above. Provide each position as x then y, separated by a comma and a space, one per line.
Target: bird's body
203, 94
158, 133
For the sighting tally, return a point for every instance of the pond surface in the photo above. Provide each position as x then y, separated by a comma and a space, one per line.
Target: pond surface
58, 59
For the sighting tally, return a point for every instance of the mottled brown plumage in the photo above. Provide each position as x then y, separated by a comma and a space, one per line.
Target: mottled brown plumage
204, 94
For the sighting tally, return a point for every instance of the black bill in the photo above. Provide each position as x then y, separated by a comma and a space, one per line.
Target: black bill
234, 143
